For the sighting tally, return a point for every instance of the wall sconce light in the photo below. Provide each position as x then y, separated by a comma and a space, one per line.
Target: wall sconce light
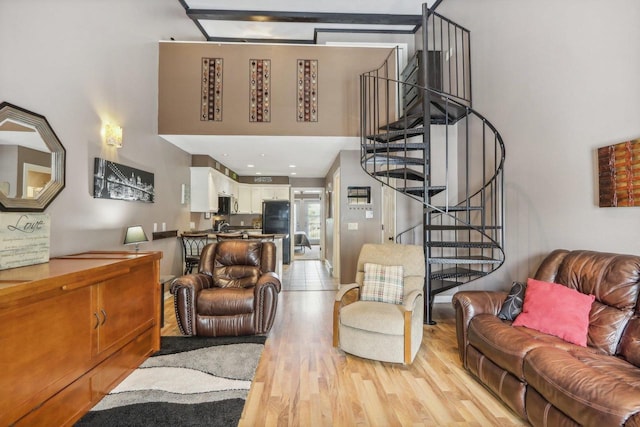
134, 236
113, 135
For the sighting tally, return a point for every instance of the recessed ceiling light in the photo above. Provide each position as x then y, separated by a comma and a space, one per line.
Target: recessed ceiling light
293, 173
292, 166
258, 173
250, 166
262, 154
225, 155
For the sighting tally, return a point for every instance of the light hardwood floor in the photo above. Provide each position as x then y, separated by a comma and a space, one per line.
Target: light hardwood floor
302, 380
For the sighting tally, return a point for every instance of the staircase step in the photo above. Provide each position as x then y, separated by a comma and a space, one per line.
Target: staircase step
442, 112
464, 260
394, 147
456, 208
383, 159
401, 173
458, 244
438, 286
446, 112
419, 191
461, 227
395, 135
405, 122
454, 272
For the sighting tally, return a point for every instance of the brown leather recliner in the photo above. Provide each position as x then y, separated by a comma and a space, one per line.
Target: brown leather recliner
235, 291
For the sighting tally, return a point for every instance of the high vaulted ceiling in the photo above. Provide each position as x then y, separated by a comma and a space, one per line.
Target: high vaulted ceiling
299, 22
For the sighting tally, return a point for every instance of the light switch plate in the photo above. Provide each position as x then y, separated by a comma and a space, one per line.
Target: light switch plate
368, 214
352, 226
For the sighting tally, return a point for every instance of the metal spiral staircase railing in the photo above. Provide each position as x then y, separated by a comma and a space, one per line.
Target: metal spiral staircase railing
430, 145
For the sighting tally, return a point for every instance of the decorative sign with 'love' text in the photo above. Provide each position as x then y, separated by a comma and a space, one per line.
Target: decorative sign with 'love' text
24, 239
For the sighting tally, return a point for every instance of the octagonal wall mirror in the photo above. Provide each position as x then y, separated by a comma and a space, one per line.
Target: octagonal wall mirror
32, 161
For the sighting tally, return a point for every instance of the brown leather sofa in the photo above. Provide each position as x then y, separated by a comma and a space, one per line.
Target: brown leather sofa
235, 291
548, 381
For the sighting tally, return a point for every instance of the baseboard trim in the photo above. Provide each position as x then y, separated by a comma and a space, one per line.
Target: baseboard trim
442, 299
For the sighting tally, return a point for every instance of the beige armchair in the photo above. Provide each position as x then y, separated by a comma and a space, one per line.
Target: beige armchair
381, 330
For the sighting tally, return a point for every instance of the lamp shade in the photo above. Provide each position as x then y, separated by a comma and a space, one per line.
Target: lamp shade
135, 234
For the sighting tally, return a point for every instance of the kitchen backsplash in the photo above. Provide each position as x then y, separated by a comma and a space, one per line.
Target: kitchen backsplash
246, 220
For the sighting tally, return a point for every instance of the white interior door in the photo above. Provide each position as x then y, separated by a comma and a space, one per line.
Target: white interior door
312, 220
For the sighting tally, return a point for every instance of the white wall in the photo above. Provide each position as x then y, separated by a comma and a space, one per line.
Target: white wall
80, 63
558, 79
368, 229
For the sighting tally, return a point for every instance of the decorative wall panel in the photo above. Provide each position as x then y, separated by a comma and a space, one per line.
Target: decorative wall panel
619, 174
211, 89
307, 90
179, 88
260, 90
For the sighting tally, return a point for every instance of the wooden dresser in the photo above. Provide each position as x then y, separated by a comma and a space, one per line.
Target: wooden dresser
71, 330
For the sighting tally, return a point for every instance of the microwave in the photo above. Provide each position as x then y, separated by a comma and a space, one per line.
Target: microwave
224, 205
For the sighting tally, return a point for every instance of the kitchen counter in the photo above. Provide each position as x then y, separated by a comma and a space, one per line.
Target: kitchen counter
243, 228
244, 232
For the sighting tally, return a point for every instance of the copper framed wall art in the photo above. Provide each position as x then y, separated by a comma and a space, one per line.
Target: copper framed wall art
259, 90
211, 90
619, 174
307, 90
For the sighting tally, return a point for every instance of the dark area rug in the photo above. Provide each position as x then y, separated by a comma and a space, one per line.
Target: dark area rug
191, 381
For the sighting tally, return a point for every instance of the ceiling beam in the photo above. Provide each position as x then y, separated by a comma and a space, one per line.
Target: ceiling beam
293, 17
195, 21
257, 40
316, 31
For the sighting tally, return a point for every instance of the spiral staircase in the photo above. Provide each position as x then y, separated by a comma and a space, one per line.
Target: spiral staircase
426, 142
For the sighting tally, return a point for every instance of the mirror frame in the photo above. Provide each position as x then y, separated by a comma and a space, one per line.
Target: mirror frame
58, 156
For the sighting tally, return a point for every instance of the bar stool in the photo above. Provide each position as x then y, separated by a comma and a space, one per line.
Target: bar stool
192, 245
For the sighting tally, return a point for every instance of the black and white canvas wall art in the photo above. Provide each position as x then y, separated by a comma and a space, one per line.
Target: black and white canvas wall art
115, 181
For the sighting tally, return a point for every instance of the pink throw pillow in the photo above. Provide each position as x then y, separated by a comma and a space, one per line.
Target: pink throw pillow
557, 310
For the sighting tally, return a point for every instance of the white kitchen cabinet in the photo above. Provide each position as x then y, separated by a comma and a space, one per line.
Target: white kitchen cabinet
267, 192
204, 195
244, 198
233, 188
280, 192
221, 182
225, 185
256, 199
275, 192
233, 192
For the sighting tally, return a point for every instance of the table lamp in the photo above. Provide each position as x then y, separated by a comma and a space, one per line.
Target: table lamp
134, 236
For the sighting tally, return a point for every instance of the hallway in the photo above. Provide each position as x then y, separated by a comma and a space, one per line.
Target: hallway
302, 253
307, 275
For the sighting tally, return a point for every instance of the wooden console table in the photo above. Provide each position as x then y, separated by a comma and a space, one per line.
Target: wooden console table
72, 329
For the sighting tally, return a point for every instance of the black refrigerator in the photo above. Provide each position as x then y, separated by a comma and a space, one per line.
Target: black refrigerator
275, 220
